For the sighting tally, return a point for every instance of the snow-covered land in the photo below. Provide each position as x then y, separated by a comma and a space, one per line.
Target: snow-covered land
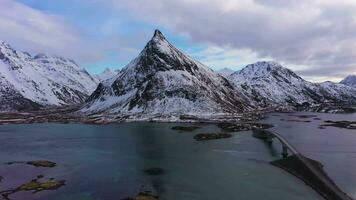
106, 74
225, 72
269, 84
41, 80
164, 81
350, 81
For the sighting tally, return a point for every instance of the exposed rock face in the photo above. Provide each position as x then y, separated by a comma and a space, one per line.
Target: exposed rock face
29, 82
269, 84
163, 80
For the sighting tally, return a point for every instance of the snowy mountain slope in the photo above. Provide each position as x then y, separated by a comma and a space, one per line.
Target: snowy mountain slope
12, 100
336, 92
268, 84
162, 80
350, 81
106, 74
225, 72
45, 80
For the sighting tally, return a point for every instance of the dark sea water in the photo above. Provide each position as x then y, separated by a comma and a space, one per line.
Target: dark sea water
107, 162
334, 147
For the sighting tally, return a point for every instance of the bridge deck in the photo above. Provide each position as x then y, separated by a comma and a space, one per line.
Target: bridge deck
319, 180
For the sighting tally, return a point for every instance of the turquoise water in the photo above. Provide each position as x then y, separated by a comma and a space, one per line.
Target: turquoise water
106, 162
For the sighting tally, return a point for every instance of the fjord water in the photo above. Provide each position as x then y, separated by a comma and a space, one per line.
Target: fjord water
334, 148
107, 162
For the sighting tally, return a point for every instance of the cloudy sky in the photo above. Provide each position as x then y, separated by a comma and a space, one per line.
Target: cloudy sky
315, 38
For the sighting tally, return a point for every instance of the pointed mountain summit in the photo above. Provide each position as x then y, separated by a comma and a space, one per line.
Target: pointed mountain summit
158, 34
164, 81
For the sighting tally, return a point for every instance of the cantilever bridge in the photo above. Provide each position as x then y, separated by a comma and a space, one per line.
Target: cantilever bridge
310, 171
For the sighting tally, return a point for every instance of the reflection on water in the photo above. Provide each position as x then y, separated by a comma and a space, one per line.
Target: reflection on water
110, 162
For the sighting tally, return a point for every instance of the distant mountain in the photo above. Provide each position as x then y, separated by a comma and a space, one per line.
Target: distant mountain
269, 84
350, 81
225, 72
164, 81
106, 74
41, 80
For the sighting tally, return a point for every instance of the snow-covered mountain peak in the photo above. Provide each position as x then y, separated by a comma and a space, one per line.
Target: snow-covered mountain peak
5, 49
43, 79
40, 56
261, 68
160, 55
158, 35
4, 45
58, 61
107, 70
159, 43
267, 70
105, 75
225, 71
270, 84
162, 80
349, 81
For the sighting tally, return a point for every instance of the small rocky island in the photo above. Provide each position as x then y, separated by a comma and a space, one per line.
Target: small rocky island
37, 184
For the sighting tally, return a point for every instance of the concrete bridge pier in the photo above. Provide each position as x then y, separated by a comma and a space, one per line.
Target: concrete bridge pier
284, 151
269, 138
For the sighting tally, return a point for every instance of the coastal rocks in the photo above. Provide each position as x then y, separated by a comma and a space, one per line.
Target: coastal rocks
304, 116
228, 128
42, 163
211, 136
36, 163
301, 118
147, 195
34, 186
237, 127
185, 128
296, 120
37, 186
339, 124
234, 118
332, 108
56, 115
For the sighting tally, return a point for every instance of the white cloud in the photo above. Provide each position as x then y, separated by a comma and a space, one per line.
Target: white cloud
314, 37
319, 34
220, 57
35, 31
29, 29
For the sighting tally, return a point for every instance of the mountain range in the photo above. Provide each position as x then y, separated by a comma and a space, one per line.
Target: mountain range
270, 85
29, 82
349, 81
161, 81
